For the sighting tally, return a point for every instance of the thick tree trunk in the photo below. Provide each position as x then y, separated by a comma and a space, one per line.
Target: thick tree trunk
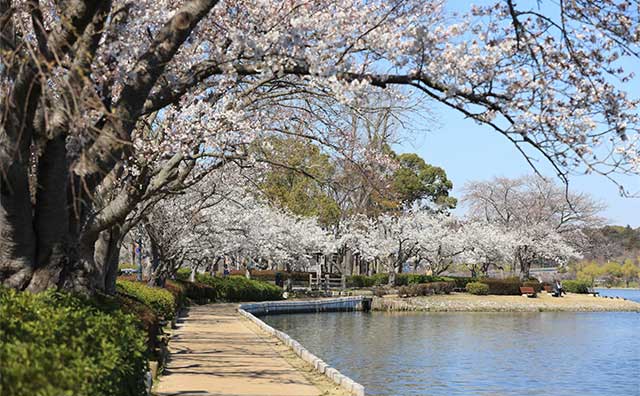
107, 257
17, 239
347, 262
523, 261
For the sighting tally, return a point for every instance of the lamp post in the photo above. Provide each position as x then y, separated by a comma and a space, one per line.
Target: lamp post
139, 250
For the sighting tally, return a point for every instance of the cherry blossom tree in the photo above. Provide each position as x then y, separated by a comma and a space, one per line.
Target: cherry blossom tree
229, 225
427, 239
486, 245
107, 104
546, 221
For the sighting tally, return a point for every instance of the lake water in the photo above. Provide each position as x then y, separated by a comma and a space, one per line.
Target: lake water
555, 354
629, 294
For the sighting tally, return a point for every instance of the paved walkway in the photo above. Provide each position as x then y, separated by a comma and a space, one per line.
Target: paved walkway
216, 352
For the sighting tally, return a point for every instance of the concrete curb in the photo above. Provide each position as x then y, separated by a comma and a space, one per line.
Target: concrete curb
346, 304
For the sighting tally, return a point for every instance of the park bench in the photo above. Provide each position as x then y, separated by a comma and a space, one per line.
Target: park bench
529, 291
591, 290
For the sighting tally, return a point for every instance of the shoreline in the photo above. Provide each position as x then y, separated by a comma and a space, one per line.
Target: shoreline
215, 350
462, 302
309, 372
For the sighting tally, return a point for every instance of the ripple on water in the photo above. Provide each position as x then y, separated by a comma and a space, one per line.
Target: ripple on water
554, 353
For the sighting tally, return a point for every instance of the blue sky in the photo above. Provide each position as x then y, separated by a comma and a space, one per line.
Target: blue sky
468, 151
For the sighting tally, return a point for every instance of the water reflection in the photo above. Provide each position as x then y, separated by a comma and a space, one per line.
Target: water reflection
477, 353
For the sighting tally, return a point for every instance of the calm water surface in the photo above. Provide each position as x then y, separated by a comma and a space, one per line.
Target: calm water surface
629, 294
555, 354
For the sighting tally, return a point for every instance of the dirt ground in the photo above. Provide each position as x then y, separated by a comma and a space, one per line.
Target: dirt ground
463, 302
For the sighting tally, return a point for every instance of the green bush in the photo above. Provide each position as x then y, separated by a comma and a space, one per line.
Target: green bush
505, 287
239, 288
441, 287
270, 275
426, 289
179, 292
380, 279
461, 282
360, 281
576, 286
183, 274
148, 319
380, 291
198, 292
160, 300
477, 288
55, 344
414, 279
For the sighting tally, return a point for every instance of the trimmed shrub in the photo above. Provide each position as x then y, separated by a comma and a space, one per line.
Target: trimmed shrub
239, 288
160, 300
379, 291
198, 292
504, 287
461, 282
380, 279
477, 288
442, 287
414, 279
54, 343
426, 289
148, 319
576, 286
360, 281
179, 292
270, 275
183, 274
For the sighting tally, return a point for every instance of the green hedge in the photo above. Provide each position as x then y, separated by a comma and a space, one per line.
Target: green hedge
461, 282
576, 286
239, 288
401, 280
270, 275
414, 279
55, 344
160, 300
505, 287
477, 288
425, 289
358, 281
183, 274
179, 292
197, 292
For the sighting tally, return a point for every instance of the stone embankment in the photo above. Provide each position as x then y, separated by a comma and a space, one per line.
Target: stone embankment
329, 305
462, 302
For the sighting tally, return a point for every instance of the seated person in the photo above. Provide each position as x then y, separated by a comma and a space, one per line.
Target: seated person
557, 289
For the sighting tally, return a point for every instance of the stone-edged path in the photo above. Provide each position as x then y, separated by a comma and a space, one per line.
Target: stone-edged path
216, 352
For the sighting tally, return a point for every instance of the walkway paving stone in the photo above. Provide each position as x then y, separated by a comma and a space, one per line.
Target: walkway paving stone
216, 352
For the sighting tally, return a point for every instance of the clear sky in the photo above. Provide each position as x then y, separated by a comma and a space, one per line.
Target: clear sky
468, 151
